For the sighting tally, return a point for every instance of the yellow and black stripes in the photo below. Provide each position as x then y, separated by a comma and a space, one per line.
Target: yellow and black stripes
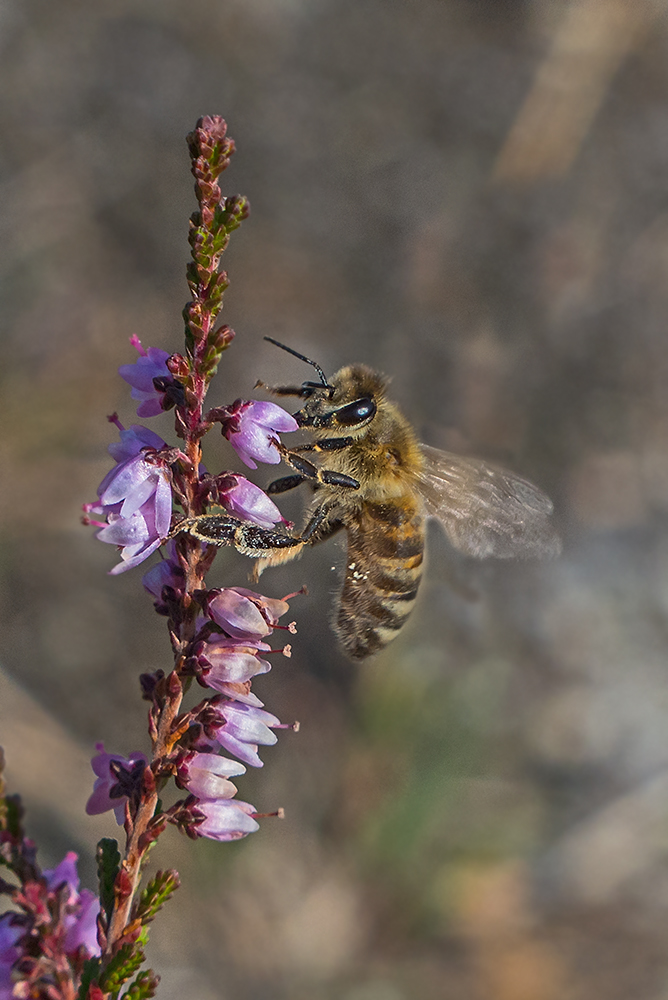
383, 571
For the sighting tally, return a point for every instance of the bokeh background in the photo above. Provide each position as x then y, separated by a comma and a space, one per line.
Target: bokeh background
473, 198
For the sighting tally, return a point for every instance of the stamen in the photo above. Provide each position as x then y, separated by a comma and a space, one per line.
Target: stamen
292, 627
113, 419
285, 650
95, 524
294, 726
297, 593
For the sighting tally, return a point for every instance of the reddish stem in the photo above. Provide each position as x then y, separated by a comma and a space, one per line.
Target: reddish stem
197, 557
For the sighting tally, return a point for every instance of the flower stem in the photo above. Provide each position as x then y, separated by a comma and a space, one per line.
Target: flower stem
210, 229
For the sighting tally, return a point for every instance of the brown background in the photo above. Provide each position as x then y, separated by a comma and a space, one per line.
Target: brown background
472, 197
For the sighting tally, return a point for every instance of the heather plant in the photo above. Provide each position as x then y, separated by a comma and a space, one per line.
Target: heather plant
60, 942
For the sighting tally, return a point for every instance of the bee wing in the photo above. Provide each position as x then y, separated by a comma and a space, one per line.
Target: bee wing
486, 511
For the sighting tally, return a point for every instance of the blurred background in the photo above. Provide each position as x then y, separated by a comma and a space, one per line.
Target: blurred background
473, 198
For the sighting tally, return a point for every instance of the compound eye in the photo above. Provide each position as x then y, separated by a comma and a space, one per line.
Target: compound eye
356, 413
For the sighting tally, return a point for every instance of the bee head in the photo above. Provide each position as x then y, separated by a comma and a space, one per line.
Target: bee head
347, 404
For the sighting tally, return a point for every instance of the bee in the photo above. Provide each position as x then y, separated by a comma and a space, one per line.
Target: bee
375, 481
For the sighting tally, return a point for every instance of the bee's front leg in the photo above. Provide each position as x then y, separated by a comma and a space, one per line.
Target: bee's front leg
327, 444
303, 391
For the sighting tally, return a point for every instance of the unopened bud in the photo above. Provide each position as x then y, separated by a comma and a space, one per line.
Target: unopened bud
178, 366
222, 337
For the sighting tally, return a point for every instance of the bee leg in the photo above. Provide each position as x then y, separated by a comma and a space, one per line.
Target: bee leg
310, 471
329, 444
320, 527
285, 484
302, 391
337, 479
302, 465
333, 444
314, 524
248, 538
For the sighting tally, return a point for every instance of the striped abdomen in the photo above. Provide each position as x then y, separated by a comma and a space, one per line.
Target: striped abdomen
384, 566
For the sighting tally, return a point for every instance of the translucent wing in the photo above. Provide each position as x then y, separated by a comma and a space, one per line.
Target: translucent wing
486, 511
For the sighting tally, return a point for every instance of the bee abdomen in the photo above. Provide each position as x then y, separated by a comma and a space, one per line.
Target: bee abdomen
383, 572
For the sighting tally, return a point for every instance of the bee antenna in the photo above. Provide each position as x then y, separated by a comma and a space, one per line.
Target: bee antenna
301, 357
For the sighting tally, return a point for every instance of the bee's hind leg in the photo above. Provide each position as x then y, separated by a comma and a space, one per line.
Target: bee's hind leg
246, 537
321, 525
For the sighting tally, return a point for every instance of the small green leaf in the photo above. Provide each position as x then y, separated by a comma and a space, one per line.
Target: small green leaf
108, 865
121, 967
143, 987
156, 894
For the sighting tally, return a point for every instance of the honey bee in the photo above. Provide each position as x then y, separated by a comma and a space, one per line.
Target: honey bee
380, 485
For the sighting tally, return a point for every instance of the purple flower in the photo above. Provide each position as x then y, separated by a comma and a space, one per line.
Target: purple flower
133, 440
247, 501
252, 429
80, 922
101, 800
206, 775
243, 613
167, 573
242, 728
82, 928
225, 820
10, 932
66, 872
150, 378
135, 497
229, 664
